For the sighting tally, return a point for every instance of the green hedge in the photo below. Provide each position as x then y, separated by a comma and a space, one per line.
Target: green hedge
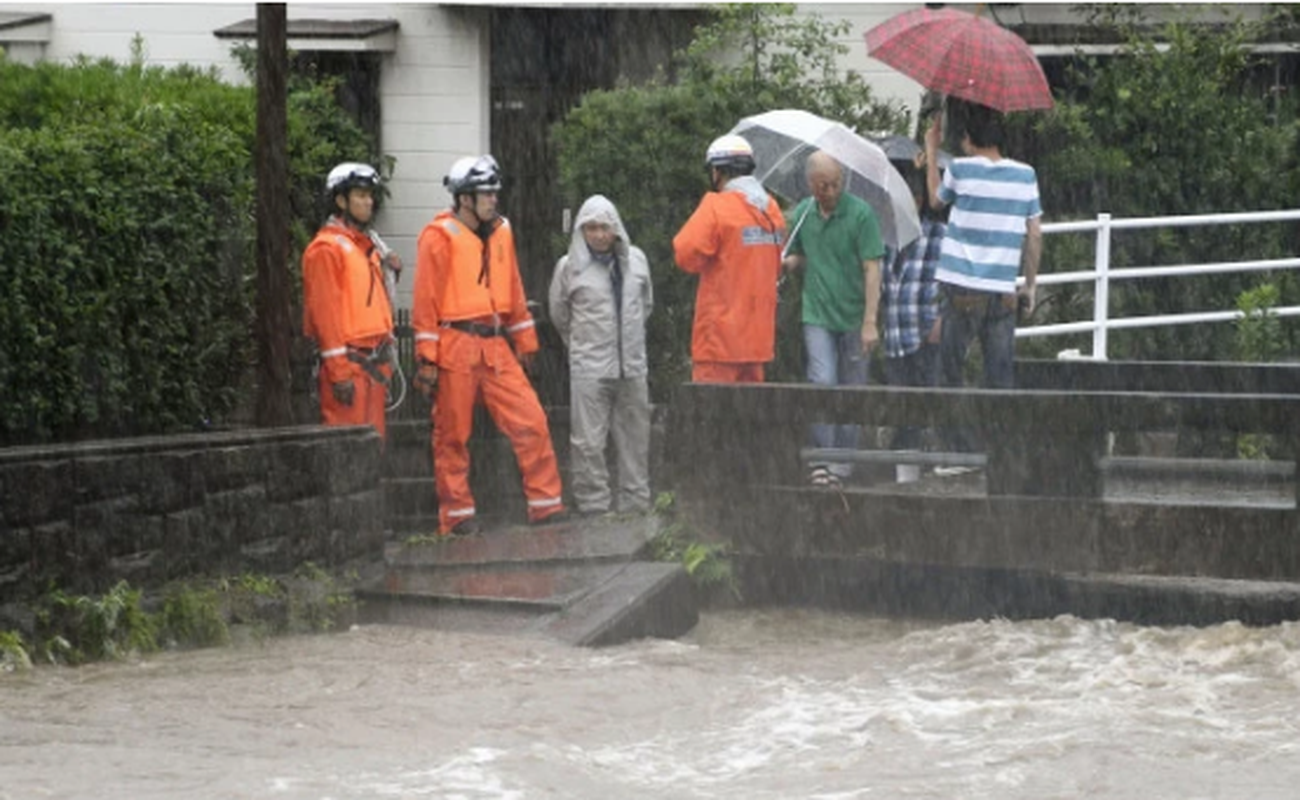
126, 243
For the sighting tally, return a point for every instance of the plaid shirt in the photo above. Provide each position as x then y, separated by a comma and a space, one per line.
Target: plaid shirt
909, 294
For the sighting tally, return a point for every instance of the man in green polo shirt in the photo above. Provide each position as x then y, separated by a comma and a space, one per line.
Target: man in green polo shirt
837, 240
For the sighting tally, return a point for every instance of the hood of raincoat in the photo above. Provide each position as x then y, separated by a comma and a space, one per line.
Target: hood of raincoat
605, 339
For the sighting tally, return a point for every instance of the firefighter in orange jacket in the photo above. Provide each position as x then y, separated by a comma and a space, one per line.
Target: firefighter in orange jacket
733, 242
346, 307
471, 319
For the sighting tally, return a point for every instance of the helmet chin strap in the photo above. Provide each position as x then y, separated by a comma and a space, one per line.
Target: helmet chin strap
345, 213
484, 227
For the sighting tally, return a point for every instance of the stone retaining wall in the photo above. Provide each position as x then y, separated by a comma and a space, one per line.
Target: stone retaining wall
149, 510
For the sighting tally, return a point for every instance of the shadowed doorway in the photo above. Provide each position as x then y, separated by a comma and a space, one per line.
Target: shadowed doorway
543, 61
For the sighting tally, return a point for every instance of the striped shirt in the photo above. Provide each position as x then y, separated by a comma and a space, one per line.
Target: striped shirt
909, 295
991, 203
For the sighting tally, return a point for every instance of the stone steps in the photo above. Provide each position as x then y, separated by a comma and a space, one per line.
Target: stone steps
577, 581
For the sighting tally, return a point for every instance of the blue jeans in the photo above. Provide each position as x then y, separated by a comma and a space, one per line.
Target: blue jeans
834, 359
970, 315
920, 368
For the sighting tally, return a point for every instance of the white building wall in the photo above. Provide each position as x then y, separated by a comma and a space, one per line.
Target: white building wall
886, 83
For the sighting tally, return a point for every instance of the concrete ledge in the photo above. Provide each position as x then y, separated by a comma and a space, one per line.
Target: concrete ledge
84, 516
646, 599
875, 586
948, 522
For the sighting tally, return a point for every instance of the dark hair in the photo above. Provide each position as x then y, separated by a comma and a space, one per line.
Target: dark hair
982, 124
916, 182
735, 169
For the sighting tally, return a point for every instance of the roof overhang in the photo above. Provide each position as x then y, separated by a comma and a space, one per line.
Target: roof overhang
360, 35
25, 26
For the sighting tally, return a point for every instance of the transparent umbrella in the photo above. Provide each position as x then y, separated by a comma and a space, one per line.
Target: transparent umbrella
783, 140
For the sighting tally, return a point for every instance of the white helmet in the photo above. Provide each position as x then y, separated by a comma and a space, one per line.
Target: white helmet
473, 174
731, 151
349, 175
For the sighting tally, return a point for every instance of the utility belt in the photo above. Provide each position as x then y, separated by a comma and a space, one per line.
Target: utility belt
371, 358
473, 328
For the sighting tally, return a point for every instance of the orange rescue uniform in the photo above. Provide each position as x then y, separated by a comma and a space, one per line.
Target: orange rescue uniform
735, 248
347, 311
468, 299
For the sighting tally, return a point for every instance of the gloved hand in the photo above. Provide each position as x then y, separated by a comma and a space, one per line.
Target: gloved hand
394, 263
344, 392
426, 379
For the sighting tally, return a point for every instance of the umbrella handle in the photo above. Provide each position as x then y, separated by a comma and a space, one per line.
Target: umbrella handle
789, 239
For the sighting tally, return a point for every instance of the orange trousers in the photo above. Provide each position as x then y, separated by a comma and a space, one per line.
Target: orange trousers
726, 372
504, 388
368, 401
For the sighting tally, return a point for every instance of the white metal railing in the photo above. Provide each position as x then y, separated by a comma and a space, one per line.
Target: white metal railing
1102, 274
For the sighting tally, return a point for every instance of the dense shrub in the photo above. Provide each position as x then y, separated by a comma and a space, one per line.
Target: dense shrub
1180, 128
126, 233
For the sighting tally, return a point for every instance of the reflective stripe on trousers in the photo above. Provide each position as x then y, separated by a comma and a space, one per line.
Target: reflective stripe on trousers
504, 388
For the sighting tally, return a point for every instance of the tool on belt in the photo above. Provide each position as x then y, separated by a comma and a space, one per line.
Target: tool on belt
370, 359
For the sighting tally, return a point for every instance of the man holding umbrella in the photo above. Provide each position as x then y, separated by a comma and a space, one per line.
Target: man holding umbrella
837, 240
994, 228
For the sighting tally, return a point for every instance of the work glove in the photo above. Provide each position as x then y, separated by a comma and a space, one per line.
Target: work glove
394, 263
344, 392
426, 380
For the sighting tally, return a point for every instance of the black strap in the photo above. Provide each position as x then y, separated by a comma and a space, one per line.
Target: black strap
369, 361
477, 328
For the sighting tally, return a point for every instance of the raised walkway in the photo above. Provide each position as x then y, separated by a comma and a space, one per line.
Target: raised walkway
1058, 521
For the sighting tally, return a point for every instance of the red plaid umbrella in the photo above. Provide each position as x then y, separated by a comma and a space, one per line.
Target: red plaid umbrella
962, 55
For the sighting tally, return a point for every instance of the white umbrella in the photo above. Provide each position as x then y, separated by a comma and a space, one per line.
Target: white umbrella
783, 140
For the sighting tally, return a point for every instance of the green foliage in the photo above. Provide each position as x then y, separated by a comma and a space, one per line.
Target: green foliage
1259, 331
707, 564
77, 629
643, 146
1259, 338
126, 242
192, 617
1164, 129
13, 652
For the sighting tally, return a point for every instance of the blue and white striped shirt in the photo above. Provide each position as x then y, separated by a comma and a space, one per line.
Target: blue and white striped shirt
991, 203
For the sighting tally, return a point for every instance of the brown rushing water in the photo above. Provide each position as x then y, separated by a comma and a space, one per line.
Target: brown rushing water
754, 704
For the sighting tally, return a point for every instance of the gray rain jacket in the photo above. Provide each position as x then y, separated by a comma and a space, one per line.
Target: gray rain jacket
582, 302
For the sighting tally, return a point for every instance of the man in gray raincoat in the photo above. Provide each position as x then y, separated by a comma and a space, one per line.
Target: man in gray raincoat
600, 298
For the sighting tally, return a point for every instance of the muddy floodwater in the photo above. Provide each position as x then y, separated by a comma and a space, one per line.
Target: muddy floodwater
753, 704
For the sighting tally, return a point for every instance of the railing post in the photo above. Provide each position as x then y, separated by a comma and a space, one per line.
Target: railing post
1101, 295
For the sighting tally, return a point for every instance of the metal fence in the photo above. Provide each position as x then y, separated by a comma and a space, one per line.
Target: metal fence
1102, 275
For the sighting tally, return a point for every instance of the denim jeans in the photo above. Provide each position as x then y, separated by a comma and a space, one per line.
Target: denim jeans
919, 368
834, 359
970, 315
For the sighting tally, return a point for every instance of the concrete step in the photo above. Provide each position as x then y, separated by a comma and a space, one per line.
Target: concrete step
576, 540
577, 581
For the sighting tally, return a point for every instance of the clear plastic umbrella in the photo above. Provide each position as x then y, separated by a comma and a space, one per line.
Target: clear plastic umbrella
783, 140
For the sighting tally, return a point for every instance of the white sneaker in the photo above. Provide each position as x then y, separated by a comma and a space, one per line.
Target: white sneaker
954, 471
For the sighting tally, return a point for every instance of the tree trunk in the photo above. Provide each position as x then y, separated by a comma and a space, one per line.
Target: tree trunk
273, 325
